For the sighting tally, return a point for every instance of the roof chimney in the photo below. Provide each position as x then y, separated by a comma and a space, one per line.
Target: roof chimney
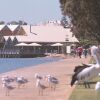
31, 30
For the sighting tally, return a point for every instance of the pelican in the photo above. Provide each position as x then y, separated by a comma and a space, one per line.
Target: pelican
87, 72
97, 90
97, 87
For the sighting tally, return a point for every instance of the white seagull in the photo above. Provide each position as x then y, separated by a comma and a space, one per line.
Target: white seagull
88, 72
8, 79
40, 86
7, 86
21, 81
53, 81
38, 76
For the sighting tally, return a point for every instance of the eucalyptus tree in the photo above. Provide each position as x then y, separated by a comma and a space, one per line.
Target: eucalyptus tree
85, 18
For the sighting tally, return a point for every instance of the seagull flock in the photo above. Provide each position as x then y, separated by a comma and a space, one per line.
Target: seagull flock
82, 73
21, 81
7, 83
52, 82
85, 72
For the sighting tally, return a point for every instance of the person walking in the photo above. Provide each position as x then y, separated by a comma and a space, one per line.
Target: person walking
85, 52
80, 51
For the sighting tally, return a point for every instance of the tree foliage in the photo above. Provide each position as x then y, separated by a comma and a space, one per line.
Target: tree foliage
64, 22
22, 22
85, 18
2, 22
12, 23
17, 23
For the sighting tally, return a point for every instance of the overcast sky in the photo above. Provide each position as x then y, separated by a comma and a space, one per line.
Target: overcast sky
31, 11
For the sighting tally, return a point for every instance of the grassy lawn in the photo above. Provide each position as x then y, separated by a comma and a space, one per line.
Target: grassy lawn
82, 93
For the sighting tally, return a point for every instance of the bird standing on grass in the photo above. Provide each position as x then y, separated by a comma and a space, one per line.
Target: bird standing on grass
88, 72
97, 87
97, 90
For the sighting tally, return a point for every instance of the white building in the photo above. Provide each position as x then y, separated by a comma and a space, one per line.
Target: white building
45, 34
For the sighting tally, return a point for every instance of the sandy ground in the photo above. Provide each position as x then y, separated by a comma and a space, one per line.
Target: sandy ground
62, 70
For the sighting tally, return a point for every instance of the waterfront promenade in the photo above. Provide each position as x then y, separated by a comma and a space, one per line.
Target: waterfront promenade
61, 69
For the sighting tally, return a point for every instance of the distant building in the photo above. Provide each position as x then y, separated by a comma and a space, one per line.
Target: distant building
45, 34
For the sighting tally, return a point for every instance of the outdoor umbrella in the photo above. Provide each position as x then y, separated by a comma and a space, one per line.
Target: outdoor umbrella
34, 45
58, 45
21, 44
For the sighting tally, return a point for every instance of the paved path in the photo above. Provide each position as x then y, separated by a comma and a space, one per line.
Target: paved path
62, 70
